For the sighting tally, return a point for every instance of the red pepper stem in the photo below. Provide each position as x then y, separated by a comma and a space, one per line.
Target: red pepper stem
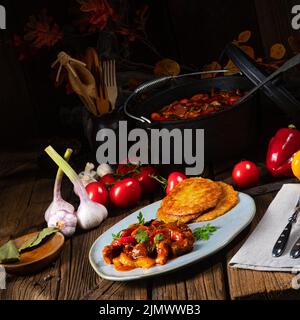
292, 126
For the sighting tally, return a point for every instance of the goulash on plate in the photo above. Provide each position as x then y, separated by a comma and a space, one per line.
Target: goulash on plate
146, 244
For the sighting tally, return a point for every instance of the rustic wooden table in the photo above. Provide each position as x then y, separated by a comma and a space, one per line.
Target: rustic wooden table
24, 195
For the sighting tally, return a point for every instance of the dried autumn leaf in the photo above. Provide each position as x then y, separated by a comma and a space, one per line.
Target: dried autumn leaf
249, 51
294, 44
231, 66
42, 31
100, 12
277, 51
209, 67
167, 67
244, 36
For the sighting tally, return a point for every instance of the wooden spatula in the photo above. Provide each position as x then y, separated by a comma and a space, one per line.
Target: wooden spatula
80, 78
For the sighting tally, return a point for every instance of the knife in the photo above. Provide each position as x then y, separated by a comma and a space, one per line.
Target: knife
282, 241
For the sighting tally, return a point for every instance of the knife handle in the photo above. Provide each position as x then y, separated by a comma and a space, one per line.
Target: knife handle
295, 252
282, 241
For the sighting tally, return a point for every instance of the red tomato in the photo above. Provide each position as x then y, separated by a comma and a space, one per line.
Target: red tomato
126, 168
97, 192
245, 174
147, 183
126, 193
173, 179
109, 180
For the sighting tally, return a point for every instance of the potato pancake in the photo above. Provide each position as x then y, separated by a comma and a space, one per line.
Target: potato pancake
228, 200
192, 196
167, 218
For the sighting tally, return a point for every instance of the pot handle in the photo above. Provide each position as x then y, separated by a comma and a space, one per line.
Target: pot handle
142, 87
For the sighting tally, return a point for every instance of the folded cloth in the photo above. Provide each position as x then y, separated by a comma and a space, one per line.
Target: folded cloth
256, 253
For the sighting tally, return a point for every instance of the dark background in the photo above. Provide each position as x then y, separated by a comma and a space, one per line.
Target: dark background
192, 32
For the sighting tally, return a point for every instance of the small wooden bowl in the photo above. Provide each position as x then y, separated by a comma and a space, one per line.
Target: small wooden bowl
39, 258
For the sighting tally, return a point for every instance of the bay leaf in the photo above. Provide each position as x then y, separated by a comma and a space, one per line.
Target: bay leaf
36, 240
28, 243
9, 253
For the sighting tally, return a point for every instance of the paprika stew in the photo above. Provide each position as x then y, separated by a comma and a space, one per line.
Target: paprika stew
198, 105
145, 245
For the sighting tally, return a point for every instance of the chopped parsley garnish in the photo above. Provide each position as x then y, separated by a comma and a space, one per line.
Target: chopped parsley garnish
116, 236
141, 219
158, 237
141, 236
204, 233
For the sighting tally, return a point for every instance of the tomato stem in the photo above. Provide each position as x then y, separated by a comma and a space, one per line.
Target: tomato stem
163, 182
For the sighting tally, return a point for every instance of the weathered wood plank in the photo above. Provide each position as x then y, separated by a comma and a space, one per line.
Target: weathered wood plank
108, 290
202, 281
15, 195
41, 286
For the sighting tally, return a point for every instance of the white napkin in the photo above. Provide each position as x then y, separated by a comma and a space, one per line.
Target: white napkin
256, 253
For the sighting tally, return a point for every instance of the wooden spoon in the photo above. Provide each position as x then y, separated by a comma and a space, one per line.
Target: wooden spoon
34, 260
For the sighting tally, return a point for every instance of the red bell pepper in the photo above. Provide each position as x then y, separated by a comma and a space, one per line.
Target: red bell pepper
125, 240
282, 148
127, 232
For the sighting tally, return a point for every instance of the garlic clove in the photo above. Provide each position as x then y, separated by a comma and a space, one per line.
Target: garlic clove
104, 169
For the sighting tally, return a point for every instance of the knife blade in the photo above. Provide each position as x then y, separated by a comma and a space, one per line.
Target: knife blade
282, 241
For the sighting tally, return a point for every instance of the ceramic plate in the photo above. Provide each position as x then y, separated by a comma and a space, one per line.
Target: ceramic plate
229, 226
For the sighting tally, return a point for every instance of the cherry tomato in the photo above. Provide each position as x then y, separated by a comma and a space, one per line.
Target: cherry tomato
97, 192
109, 180
126, 168
245, 174
126, 193
147, 183
173, 179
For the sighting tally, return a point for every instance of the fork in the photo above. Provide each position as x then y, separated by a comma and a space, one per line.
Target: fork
282, 241
109, 67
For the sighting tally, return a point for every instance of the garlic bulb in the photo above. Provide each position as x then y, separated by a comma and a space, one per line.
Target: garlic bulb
65, 221
58, 203
89, 214
104, 169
